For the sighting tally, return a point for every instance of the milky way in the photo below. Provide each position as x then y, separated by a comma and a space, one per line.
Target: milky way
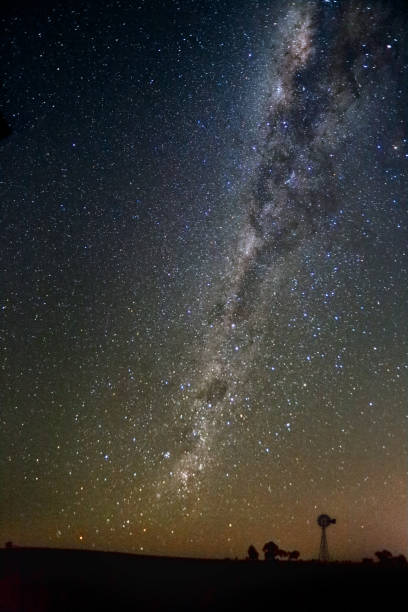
291, 199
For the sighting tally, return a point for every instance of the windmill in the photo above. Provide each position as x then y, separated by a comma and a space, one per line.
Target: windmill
323, 520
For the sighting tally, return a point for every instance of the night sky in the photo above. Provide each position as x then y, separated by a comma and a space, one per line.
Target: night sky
204, 275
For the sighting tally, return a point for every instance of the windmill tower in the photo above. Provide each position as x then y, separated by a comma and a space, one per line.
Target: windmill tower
323, 520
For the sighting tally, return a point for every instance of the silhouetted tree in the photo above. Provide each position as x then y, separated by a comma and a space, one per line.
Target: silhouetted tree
282, 553
401, 560
383, 555
253, 554
293, 555
270, 550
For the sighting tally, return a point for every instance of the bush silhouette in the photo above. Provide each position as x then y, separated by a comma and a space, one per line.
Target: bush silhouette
383, 555
253, 554
271, 551
293, 555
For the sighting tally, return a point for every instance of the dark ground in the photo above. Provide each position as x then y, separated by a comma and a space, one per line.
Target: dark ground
39, 580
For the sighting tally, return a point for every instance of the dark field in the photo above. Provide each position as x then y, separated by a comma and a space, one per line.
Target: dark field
64, 580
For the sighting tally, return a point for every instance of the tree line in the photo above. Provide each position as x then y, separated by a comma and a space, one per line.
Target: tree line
272, 552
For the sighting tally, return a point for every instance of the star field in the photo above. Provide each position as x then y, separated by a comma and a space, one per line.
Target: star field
204, 274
